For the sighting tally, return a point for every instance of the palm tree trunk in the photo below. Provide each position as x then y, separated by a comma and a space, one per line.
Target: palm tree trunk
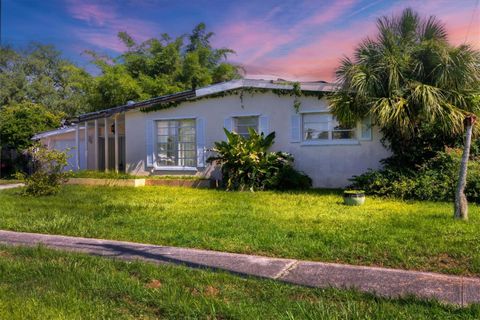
461, 204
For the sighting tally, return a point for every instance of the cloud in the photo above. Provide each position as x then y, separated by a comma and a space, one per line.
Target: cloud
318, 58
102, 22
256, 38
94, 14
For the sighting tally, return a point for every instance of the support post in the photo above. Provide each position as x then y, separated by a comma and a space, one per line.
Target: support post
95, 145
85, 138
106, 142
116, 144
77, 147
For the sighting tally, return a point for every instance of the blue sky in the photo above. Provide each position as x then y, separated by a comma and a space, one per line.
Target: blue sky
298, 40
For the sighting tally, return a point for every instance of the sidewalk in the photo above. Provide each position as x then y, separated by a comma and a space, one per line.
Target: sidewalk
380, 281
10, 186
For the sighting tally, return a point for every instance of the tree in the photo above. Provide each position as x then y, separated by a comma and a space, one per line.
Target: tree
415, 85
38, 74
159, 66
20, 121
461, 205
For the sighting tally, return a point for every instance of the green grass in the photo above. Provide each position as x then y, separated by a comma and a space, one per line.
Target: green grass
8, 181
36, 283
311, 225
121, 175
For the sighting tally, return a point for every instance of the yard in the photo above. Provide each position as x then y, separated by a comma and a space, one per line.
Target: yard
312, 225
43, 284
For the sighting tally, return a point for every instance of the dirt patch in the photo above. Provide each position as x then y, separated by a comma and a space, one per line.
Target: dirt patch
154, 284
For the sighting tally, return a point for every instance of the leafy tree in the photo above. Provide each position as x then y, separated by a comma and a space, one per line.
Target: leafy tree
417, 86
20, 121
159, 66
40, 75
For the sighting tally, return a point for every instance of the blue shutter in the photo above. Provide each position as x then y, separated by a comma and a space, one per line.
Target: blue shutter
263, 125
228, 124
200, 133
296, 128
366, 128
149, 132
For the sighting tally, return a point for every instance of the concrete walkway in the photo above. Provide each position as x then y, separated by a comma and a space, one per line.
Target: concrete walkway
380, 281
10, 186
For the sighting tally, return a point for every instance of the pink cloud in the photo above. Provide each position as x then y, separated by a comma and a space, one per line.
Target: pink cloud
90, 12
318, 59
329, 14
104, 23
254, 40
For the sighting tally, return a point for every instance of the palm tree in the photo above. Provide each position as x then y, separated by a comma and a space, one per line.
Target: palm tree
410, 80
461, 205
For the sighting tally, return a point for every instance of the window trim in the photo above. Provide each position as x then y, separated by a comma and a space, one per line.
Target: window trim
235, 118
156, 167
330, 141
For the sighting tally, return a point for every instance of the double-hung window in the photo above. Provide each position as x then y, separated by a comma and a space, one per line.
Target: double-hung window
242, 124
323, 126
176, 146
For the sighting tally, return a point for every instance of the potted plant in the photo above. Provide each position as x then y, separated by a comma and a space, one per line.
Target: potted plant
354, 197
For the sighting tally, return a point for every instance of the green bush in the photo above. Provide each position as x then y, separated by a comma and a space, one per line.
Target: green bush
247, 164
48, 175
436, 179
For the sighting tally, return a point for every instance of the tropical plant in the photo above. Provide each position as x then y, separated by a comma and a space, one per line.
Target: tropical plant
247, 164
416, 86
48, 165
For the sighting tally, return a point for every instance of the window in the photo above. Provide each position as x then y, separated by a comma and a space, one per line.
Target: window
324, 127
176, 144
242, 124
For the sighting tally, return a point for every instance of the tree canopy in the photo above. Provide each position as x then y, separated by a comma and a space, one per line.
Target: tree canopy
416, 85
159, 66
39, 75
20, 121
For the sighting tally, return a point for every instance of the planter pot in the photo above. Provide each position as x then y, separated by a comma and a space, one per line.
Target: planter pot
354, 198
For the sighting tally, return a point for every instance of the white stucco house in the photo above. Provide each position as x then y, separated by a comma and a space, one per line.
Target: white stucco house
174, 136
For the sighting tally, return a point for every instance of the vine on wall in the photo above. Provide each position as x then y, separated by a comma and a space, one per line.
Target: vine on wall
296, 92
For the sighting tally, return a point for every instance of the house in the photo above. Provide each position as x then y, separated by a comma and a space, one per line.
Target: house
172, 134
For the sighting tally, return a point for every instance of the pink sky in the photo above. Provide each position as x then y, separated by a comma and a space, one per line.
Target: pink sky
259, 42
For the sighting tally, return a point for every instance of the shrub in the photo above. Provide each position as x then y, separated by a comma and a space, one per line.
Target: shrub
48, 175
436, 179
247, 164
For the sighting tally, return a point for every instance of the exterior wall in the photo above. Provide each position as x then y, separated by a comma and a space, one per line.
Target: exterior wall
62, 142
327, 165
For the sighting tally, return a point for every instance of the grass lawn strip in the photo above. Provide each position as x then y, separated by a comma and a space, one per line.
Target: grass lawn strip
44, 284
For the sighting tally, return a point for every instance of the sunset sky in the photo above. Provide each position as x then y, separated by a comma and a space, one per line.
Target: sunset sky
295, 40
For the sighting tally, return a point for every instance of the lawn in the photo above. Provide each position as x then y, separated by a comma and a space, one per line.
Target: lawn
311, 225
8, 181
37, 283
